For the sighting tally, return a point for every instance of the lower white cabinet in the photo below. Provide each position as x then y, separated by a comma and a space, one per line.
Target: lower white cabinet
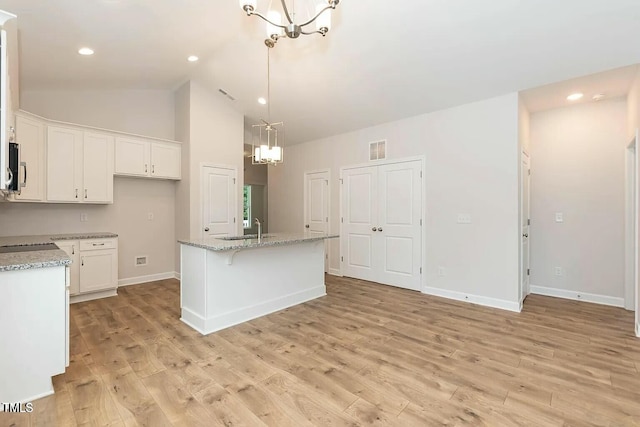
94, 266
72, 248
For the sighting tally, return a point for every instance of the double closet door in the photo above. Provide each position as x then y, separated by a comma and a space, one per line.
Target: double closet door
381, 226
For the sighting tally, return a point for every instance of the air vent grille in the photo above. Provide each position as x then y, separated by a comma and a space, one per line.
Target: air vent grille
225, 93
378, 150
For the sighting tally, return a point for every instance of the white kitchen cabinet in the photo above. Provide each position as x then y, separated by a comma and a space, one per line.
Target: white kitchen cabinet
79, 166
30, 138
97, 169
64, 164
165, 160
137, 157
72, 248
98, 265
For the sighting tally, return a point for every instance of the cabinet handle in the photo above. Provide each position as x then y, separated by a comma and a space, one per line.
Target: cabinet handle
24, 165
81, 260
145, 168
98, 244
73, 249
76, 193
85, 193
153, 168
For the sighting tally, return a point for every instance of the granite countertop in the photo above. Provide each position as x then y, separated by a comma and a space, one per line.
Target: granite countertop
40, 259
269, 239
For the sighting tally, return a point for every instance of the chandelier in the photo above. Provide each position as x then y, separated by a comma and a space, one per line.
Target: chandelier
265, 146
276, 29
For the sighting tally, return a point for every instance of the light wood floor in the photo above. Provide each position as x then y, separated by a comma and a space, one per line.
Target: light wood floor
365, 354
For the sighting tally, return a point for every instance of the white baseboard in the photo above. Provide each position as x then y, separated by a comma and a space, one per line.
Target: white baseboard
335, 272
176, 275
475, 299
578, 296
212, 324
148, 278
93, 295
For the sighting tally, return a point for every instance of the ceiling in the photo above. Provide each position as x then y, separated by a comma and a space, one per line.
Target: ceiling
382, 60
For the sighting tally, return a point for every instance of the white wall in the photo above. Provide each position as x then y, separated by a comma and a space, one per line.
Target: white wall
472, 160
144, 112
633, 123
141, 112
578, 164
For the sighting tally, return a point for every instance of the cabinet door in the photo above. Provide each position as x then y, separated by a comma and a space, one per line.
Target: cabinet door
72, 249
98, 168
165, 160
98, 270
132, 157
30, 137
64, 164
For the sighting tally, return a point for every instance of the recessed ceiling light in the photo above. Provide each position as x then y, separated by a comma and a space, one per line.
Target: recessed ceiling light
86, 51
262, 101
192, 58
574, 96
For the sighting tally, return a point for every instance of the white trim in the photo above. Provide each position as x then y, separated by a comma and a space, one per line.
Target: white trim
335, 272
148, 278
638, 330
225, 320
474, 299
577, 296
93, 295
176, 275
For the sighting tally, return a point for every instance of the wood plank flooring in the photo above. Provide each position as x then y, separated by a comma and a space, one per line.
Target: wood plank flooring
365, 354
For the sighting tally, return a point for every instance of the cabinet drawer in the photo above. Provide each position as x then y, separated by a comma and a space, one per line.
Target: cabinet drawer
97, 244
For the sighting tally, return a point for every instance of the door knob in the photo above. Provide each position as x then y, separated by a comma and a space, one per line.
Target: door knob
374, 229
380, 229
525, 235
206, 229
306, 226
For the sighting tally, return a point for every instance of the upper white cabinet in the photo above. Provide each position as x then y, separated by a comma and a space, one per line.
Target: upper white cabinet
79, 166
97, 168
30, 138
64, 164
136, 157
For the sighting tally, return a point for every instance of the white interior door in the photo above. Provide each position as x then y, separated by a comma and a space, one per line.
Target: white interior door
359, 218
524, 223
316, 207
218, 202
398, 241
636, 229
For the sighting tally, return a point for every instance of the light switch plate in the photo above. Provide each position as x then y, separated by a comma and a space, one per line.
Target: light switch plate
559, 217
464, 218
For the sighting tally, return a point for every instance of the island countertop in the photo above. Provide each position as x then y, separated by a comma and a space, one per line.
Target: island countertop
269, 239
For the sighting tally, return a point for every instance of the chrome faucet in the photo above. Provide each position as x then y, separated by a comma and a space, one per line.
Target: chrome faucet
256, 221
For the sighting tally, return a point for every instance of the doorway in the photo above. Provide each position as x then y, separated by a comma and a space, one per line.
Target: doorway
632, 200
525, 222
381, 223
219, 207
316, 206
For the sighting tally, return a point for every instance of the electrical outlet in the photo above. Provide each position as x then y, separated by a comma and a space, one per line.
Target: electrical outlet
558, 271
442, 271
464, 218
84, 217
150, 216
559, 217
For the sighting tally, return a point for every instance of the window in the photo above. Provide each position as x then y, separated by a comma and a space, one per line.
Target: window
246, 206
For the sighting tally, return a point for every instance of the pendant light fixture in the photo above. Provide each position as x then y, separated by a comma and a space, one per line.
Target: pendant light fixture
291, 29
268, 137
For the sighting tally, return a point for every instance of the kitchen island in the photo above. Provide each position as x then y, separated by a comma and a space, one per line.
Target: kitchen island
227, 281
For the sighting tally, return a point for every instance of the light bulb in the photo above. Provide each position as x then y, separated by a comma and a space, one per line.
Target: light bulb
324, 19
257, 155
276, 153
273, 30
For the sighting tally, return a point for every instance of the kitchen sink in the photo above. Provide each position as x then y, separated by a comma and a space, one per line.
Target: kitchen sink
27, 248
245, 237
